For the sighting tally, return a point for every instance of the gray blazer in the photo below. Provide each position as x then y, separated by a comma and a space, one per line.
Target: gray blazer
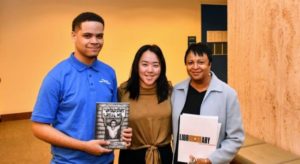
220, 100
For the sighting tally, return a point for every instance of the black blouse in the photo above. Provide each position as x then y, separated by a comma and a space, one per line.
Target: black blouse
193, 101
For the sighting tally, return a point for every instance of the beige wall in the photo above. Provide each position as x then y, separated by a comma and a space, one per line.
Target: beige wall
263, 59
35, 35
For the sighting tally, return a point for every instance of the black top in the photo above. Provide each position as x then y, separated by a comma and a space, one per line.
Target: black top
192, 106
193, 101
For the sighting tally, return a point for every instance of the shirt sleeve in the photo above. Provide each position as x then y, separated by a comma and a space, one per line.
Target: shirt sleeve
234, 136
47, 101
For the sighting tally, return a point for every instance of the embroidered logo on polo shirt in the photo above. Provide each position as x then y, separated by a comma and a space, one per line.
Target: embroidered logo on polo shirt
104, 81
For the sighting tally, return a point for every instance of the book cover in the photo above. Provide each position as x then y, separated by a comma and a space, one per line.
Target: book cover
111, 119
198, 136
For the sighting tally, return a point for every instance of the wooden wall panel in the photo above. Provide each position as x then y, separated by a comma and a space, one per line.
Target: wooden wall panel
263, 66
216, 36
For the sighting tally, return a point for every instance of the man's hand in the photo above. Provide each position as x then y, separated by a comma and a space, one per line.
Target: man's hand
126, 136
95, 147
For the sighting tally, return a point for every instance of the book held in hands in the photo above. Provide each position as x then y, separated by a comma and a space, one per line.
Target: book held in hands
111, 119
198, 136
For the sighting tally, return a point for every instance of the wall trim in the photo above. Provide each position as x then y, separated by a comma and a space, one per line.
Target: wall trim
15, 116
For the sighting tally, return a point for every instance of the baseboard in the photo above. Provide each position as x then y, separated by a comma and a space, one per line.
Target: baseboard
15, 116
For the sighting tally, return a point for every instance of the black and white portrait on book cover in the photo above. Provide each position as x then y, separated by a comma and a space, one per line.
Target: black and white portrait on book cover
111, 119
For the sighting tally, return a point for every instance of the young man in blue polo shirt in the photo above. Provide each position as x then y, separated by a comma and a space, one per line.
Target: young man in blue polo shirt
64, 113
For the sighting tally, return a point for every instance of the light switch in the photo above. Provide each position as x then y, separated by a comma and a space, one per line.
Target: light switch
191, 40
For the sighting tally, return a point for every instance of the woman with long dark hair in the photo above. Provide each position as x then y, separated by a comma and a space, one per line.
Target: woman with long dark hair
148, 92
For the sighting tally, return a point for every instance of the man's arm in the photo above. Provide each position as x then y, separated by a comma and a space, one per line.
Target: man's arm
53, 136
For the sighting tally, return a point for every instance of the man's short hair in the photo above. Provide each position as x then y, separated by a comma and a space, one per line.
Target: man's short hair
86, 16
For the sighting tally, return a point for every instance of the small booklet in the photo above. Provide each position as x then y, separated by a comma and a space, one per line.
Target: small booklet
198, 136
111, 119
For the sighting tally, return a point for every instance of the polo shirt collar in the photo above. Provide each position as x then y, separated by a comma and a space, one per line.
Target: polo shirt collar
79, 66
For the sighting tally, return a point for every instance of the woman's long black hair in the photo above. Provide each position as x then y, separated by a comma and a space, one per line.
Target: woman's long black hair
162, 84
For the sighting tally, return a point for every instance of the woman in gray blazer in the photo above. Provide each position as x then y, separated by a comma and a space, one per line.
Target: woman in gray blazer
204, 94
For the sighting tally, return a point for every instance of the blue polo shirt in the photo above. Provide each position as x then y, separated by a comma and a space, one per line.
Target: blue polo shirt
67, 100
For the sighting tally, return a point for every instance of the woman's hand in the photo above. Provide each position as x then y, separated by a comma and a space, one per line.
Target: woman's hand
126, 136
194, 160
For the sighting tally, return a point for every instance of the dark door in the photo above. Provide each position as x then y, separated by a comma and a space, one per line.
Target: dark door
214, 20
